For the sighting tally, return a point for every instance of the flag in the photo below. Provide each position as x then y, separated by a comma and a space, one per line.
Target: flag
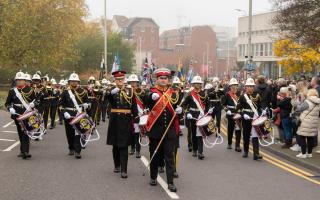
116, 64
180, 72
190, 73
146, 69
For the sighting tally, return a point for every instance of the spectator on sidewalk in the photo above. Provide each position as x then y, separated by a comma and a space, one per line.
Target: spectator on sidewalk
309, 123
284, 104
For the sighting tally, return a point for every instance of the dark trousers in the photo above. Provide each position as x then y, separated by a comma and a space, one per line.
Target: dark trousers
23, 138
231, 127
53, 111
45, 115
166, 152
194, 139
60, 114
120, 157
103, 111
217, 113
307, 144
246, 124
189, 135
135, 145
255, 146
73, 139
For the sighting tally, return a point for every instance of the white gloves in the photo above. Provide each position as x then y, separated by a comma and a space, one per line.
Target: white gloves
246, 117
136, 128
155, 96
67, 115
115, 90
189, 116
264, 112
210, 111
178, 110
12, 111
85, 106
31, 105
229, 112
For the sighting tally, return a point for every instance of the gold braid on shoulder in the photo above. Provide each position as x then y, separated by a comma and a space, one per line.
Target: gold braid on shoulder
126, 97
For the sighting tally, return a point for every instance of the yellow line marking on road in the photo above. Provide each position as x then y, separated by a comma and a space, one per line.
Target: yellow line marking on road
285, 166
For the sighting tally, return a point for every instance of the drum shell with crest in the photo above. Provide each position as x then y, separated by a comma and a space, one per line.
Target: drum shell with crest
83, 124
30, 121
262, 125
206, 125
237, 119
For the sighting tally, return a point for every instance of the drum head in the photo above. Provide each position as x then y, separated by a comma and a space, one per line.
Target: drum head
237, 116
143, 120
77, 118
204, 121
259, 121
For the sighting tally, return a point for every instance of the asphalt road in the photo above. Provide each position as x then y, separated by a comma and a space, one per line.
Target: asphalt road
53, 175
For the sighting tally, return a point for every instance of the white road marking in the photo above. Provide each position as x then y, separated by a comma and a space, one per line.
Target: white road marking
8, 140
9, 131
160, 180
12, 146
8, 124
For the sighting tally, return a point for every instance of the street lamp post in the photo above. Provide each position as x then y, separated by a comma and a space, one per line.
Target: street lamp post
105, 36
249, 34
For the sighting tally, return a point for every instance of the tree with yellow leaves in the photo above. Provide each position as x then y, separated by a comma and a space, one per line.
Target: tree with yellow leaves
296, 58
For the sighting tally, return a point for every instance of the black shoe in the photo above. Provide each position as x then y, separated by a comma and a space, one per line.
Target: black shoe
172, 187
138, 155
190, 149
237, 149
51, 127
24, 156
131, 152
116, 170
153, 182
194, 154
71, 153
175, 175
229, 146
28, 155
200, 156
161, 170
124, 175
257, 157
77, 155
245, 155
20, 155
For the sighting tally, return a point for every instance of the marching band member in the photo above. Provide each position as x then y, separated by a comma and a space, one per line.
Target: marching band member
195, 105
54, 102
250, 105
232, 100
216, 100
61, 89
139, 94
73, 101
21, 99
123, 112
47, 99
93, 99
162, 126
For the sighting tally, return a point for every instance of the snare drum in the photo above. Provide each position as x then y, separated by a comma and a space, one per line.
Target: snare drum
262, 126
143, 124
32, 124
206, 125
83, 124
237, 118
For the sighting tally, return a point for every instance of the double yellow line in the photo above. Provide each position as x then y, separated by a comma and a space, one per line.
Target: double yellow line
283, 165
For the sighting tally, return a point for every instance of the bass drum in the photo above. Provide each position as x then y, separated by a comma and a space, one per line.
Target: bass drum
143, 138
262, 126
85, 127
32, 124
208, 130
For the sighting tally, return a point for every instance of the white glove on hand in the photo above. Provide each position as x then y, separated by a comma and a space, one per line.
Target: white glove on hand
155, 96
246, 117
229, 112
264, 112
210, 111
12, 111
189, 116
31, 105
67, 115
115, 90
85, 106
178, 110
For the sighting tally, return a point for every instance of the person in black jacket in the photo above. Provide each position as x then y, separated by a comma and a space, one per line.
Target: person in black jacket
17, 107
54, 101
123, 112
163, 122
263, 89
70, 110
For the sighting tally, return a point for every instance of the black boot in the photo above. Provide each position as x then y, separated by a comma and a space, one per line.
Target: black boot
77, 155
255, 146
245, 154
124, 175
71, 152
194, 154
200, 156
229, 146
153, 182
116, 170
138, 155
172, 187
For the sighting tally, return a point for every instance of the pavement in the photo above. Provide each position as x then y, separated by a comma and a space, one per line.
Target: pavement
223, 175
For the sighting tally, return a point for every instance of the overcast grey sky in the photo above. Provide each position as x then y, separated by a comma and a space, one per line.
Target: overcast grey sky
171, 13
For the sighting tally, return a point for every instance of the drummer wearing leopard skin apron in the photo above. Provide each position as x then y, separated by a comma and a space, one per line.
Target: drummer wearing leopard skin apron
18, 107
250, 107
71, 96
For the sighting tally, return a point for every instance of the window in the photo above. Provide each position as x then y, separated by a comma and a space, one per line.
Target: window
261, 50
